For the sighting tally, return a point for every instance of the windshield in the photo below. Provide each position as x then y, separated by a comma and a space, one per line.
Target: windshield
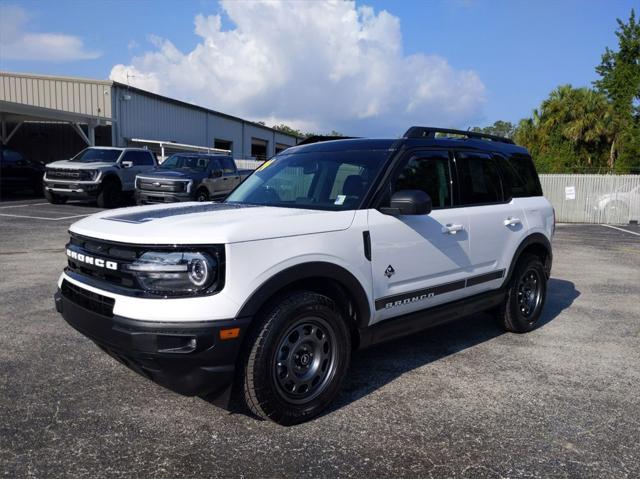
96, 155
315, 180
186, 162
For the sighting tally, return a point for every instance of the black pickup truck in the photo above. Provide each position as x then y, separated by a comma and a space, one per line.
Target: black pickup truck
189, 177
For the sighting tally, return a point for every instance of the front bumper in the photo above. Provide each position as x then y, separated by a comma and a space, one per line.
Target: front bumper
72, 190
151, 197
188, 358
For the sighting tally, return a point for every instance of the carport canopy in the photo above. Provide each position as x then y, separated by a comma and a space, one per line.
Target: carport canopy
18, 113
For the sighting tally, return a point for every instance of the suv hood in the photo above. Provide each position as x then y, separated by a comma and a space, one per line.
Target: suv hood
76, 165
208, 223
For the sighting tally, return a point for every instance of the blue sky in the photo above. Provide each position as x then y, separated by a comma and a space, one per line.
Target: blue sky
517, 51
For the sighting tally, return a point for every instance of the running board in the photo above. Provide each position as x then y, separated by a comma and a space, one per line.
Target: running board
420, 320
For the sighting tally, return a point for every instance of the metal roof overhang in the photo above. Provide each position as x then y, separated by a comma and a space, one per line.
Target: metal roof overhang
21, 112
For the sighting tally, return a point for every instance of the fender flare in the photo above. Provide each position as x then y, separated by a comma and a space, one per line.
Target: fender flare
533, 239
316, 269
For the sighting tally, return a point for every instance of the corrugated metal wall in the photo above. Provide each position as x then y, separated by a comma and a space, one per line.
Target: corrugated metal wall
593, 198
87, 97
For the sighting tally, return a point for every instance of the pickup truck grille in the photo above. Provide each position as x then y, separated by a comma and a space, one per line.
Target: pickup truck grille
150, 184
61, 174
80, 249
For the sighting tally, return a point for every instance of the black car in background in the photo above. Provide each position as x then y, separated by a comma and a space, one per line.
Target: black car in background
189, 177
18, 173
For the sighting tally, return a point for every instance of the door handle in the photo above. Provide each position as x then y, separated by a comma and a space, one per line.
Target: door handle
225, 178
451, 229
512, 221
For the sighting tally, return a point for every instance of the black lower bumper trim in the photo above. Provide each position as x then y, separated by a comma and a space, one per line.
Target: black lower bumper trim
188, 358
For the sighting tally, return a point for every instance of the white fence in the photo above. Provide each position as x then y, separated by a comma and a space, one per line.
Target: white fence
613, 199
248, 164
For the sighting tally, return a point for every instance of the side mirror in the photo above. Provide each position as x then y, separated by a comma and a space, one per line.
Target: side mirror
408, 202
126, 164
216, 173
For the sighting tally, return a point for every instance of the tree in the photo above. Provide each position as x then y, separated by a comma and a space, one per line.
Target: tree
499, 128
619, 73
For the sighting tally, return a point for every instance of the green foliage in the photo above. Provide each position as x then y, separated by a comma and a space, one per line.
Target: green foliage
582, 130
499, 128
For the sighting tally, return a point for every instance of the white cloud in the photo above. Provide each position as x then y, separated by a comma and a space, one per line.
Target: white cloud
17, 43
314, 65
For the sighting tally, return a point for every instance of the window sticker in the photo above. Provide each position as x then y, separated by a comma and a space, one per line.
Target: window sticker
264, 165
340, 200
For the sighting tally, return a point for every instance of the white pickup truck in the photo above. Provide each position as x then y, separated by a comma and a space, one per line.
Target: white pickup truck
105, 174
326, 248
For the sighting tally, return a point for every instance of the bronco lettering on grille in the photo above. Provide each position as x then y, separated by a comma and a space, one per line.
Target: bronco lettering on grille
100, 263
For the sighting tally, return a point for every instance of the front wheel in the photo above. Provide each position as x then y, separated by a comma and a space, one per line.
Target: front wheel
202, 195
526, 295
296, 364
110, 194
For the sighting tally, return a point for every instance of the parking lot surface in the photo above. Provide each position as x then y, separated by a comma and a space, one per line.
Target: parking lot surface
460, 400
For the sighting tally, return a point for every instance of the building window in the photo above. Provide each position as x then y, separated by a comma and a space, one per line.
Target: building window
259, 149
223, 145
280, 147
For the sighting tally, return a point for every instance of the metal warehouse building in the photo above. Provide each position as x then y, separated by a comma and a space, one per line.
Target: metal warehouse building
49, 118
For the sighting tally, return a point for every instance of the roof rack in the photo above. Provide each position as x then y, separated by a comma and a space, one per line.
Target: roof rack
430, 132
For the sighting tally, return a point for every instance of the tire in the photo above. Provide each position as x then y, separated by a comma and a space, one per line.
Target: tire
110, 194
202, 195
296, 361
54, 199
526, 295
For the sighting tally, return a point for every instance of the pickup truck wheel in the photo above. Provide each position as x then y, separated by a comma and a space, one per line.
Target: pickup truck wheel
109, 196
202, 195
526, 294
296, 364
54, 199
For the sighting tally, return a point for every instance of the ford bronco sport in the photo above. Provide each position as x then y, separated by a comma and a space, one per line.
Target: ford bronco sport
325, 248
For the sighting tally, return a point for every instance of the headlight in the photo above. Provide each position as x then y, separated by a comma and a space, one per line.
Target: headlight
175, 273
88, 175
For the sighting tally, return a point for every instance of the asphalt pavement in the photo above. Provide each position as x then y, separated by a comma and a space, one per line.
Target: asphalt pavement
460, 400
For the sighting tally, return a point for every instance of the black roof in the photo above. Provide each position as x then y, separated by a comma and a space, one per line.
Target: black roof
460, 143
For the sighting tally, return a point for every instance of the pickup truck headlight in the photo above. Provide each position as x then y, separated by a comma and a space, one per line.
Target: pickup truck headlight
175, 273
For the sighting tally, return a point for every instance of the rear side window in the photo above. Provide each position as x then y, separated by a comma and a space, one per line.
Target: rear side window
519, 176
479, 179
228, 166
429, 173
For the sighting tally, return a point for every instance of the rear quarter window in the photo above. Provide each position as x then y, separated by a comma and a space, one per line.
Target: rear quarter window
520, 178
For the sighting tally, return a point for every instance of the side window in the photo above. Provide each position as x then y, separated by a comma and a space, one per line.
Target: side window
11, 157
429, 173
214, 164
140, 158
228, 166
520, 176
479, 179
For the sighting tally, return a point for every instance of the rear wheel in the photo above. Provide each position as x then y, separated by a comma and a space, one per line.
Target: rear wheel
110, 194
526, 295
298, 359
54, 199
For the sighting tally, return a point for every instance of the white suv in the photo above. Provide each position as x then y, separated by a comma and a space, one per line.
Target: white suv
326, 248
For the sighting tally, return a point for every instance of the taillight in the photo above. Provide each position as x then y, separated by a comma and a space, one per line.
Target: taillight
553, 229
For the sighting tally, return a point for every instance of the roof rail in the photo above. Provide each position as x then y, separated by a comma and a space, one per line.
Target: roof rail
430, 132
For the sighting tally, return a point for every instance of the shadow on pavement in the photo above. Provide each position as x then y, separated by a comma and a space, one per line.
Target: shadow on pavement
373, 368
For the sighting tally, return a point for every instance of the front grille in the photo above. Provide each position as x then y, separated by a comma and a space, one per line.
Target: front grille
61, 174
150, 184
119, 254
88, 300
